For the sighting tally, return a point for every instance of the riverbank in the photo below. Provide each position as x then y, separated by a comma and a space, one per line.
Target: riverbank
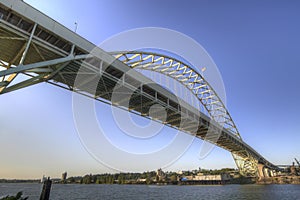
280, 180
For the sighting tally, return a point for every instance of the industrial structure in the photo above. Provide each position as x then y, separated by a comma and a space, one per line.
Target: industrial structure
34, 46
64, 177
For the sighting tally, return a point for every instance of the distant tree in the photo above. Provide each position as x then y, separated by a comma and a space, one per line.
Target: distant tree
110, 179
121, 179
98, 181
173, 178
87, 179
71, 180
148, 179
94, 178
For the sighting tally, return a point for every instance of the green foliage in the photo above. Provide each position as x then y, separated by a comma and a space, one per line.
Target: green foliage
132, 178
148, 179
71, 180
121, 179
217, 171
17, 197
87, 179
173, 178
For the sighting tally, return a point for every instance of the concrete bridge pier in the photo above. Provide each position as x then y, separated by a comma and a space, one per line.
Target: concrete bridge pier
260, 171
272, 173
266, 172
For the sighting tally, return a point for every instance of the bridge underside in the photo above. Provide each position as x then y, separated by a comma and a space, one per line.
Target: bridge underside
36, 54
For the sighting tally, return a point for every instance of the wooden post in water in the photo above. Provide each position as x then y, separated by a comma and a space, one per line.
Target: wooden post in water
46, 189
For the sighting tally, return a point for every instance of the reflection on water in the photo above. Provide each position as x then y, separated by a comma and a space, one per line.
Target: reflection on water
234, 192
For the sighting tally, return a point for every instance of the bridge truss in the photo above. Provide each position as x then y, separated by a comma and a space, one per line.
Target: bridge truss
195, 82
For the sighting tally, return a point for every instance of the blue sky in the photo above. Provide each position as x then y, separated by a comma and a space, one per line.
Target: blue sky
255, 45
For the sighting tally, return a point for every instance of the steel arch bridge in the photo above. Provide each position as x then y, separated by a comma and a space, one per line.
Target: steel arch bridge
41, 50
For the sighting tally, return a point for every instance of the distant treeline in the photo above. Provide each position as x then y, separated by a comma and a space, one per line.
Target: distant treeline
142, 178
120, 178
18, 181
128, 178
216, 171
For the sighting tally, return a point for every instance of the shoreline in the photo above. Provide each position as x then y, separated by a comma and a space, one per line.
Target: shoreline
267, 181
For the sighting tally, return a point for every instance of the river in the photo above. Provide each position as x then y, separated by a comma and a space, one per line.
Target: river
142, 192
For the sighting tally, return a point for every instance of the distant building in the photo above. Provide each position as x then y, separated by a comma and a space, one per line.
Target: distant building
141, 180
183, 172
207, 179
180, 172
43, 179
219, 177
64, 177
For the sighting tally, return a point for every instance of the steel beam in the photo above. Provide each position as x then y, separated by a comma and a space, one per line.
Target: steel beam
27, 45
22, 68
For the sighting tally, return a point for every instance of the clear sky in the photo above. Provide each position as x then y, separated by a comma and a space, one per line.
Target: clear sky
255, 45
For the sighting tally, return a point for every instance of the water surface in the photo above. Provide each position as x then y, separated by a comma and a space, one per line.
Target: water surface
141, 192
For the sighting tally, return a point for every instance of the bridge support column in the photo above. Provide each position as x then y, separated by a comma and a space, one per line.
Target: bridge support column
260, 171
266, 172
271, 173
